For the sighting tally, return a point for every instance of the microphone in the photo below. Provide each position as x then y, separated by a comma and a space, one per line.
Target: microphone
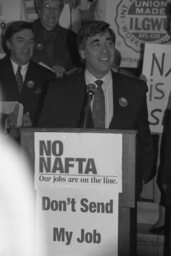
91, 89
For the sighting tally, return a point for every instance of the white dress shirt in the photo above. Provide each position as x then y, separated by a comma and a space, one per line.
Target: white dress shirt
23, 68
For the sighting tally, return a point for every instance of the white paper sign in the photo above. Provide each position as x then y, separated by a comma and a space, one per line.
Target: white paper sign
157, 69
74, 222
78, 160
78, 177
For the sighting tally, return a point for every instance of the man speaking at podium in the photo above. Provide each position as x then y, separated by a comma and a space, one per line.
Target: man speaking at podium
97, 97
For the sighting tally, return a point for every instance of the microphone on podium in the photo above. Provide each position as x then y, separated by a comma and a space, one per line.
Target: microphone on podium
91, 89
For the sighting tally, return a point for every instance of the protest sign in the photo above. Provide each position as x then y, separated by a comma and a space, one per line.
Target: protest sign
157, 69
78, 177
74, 222
136, 23
78, 160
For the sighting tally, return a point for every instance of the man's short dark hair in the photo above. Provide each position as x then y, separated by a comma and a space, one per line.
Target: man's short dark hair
17, 26
14, 27
92, 28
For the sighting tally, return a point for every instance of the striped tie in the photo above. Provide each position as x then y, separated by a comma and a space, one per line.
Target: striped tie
19, 79
98, 109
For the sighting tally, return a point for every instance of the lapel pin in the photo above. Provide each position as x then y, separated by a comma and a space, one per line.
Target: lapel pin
123, 102
30, 84
39, 46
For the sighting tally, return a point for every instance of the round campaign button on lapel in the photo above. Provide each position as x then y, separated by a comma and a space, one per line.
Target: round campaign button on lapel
39, 46
123, 102
30, 84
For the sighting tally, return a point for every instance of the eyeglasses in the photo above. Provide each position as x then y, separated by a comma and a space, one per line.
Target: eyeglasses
48, 8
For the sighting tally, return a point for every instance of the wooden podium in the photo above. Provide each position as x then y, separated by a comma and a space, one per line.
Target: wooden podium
127, 200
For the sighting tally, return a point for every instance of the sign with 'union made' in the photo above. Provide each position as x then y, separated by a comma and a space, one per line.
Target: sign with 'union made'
135, 23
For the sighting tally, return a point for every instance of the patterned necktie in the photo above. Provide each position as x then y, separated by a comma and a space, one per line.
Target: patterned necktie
98, 109
19, 79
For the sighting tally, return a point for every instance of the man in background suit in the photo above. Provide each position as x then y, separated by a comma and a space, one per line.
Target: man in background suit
125, 97
55, 46
20, 41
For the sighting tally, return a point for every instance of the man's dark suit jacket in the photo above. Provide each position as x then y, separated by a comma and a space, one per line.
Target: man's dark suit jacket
56, 47
34, 89
165, 161
64, 104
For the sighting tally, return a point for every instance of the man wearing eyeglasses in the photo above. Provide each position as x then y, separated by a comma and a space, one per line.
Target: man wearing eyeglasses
55, 46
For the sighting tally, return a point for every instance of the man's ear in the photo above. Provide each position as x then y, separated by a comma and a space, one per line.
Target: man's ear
82, 54
38, 12
8, 45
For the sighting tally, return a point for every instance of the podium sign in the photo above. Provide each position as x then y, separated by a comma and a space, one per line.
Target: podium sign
77, 222
78, 160
78, 177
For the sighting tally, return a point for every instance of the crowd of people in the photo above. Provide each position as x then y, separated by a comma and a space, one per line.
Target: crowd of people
49, 69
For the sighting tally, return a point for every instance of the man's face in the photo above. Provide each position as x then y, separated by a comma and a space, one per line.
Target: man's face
21, 46
98, 53
49, 13
84, 5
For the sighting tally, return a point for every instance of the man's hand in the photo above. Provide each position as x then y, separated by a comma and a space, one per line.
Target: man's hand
59, 71
12, 118
27, 120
